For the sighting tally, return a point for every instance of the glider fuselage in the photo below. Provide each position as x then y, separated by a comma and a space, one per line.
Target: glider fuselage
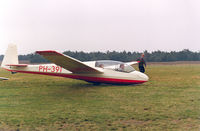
109, 76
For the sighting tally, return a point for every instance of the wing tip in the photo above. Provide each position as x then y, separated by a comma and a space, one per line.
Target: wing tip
48, 52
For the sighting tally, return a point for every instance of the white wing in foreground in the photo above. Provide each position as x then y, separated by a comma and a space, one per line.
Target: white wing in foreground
3, 78
69, 63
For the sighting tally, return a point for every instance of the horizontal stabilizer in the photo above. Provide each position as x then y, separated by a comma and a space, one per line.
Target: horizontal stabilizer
68, 62
18, 65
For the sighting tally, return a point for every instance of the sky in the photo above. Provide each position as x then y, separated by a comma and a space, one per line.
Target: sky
100, 25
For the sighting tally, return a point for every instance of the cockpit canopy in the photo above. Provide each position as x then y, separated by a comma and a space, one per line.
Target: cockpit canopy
114, 65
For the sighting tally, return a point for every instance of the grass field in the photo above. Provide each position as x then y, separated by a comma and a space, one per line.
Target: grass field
169, 101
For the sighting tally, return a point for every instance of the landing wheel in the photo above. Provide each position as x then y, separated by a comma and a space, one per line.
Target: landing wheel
94, 83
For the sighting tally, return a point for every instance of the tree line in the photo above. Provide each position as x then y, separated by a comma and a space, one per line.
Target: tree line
155, 56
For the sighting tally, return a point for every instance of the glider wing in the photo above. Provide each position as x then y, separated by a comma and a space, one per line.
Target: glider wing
132, 63
68, 62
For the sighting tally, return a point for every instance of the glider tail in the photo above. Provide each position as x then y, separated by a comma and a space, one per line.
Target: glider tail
11, 56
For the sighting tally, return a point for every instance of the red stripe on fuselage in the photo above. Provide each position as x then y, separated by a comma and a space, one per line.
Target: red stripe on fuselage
86, 78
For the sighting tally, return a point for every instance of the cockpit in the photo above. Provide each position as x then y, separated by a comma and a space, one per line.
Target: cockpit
114, 65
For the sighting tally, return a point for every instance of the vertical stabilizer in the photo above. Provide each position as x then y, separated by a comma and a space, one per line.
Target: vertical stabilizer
11, 56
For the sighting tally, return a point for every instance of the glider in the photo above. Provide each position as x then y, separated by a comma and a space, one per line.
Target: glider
101, 71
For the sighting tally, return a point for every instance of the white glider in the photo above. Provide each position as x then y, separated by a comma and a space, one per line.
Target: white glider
102, 71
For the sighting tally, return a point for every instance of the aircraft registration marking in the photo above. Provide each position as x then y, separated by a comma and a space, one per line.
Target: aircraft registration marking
55, 69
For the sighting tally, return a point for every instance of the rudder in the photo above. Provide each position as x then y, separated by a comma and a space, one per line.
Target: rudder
11, 56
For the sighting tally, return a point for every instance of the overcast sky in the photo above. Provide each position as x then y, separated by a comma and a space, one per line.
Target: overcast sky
100, 25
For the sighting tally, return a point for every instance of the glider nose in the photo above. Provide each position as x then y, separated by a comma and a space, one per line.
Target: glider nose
142, 76
145, 77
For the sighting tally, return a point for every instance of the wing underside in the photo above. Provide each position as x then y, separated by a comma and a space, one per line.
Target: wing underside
68, 62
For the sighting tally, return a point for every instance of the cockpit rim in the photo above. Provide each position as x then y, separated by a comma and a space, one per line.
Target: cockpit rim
114, 65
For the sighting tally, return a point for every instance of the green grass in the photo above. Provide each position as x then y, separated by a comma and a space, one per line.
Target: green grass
169, 101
